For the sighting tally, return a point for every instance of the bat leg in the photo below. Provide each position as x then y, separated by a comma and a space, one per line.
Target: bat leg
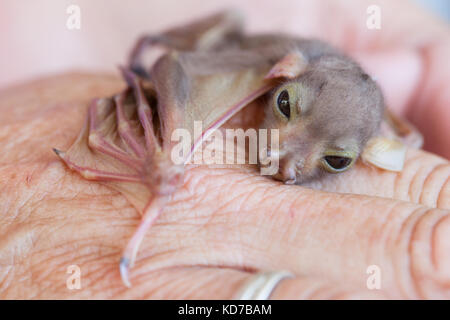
151, 213
94, 174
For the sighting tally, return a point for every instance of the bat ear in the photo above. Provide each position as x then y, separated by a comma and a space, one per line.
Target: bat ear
290, 66
385, 153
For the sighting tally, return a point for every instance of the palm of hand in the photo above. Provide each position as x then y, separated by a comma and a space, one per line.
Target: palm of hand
207, 243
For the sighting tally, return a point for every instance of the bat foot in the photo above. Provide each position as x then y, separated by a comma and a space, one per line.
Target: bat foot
124, 268
151, 213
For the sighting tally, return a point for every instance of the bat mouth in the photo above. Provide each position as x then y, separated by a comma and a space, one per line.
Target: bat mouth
290, 167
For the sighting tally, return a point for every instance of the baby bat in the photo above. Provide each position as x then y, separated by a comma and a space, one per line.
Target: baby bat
328, 111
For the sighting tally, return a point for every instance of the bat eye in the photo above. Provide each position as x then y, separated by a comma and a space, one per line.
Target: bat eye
283, 103
336, 164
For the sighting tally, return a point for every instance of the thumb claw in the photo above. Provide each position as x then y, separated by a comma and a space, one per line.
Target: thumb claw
59, 153
124, 271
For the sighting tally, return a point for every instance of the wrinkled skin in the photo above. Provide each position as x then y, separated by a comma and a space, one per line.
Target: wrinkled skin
223, 223
52, 218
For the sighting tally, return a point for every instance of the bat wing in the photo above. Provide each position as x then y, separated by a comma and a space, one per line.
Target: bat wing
218, 30
126, 141
210, 88
110, 148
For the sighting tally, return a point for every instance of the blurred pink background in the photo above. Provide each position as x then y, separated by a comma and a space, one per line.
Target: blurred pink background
408, 56
35, 39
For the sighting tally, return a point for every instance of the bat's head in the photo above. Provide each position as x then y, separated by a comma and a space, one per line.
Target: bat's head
163, 176
325, 117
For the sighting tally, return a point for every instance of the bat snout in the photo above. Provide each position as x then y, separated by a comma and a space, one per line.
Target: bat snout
290, 170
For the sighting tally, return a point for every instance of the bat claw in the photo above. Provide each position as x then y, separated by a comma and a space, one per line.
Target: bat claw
59, 153
151, 212
124, 268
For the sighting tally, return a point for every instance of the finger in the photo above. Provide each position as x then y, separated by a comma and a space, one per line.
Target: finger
425, 179
314, 288
430, 110
414, 85
177, 282
224, 283
74, 241
250, 223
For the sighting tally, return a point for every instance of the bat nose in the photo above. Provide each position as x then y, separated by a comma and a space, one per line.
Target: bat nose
288, 171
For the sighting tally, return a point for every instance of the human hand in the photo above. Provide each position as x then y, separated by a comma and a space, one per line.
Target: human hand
222, 225
206, 244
